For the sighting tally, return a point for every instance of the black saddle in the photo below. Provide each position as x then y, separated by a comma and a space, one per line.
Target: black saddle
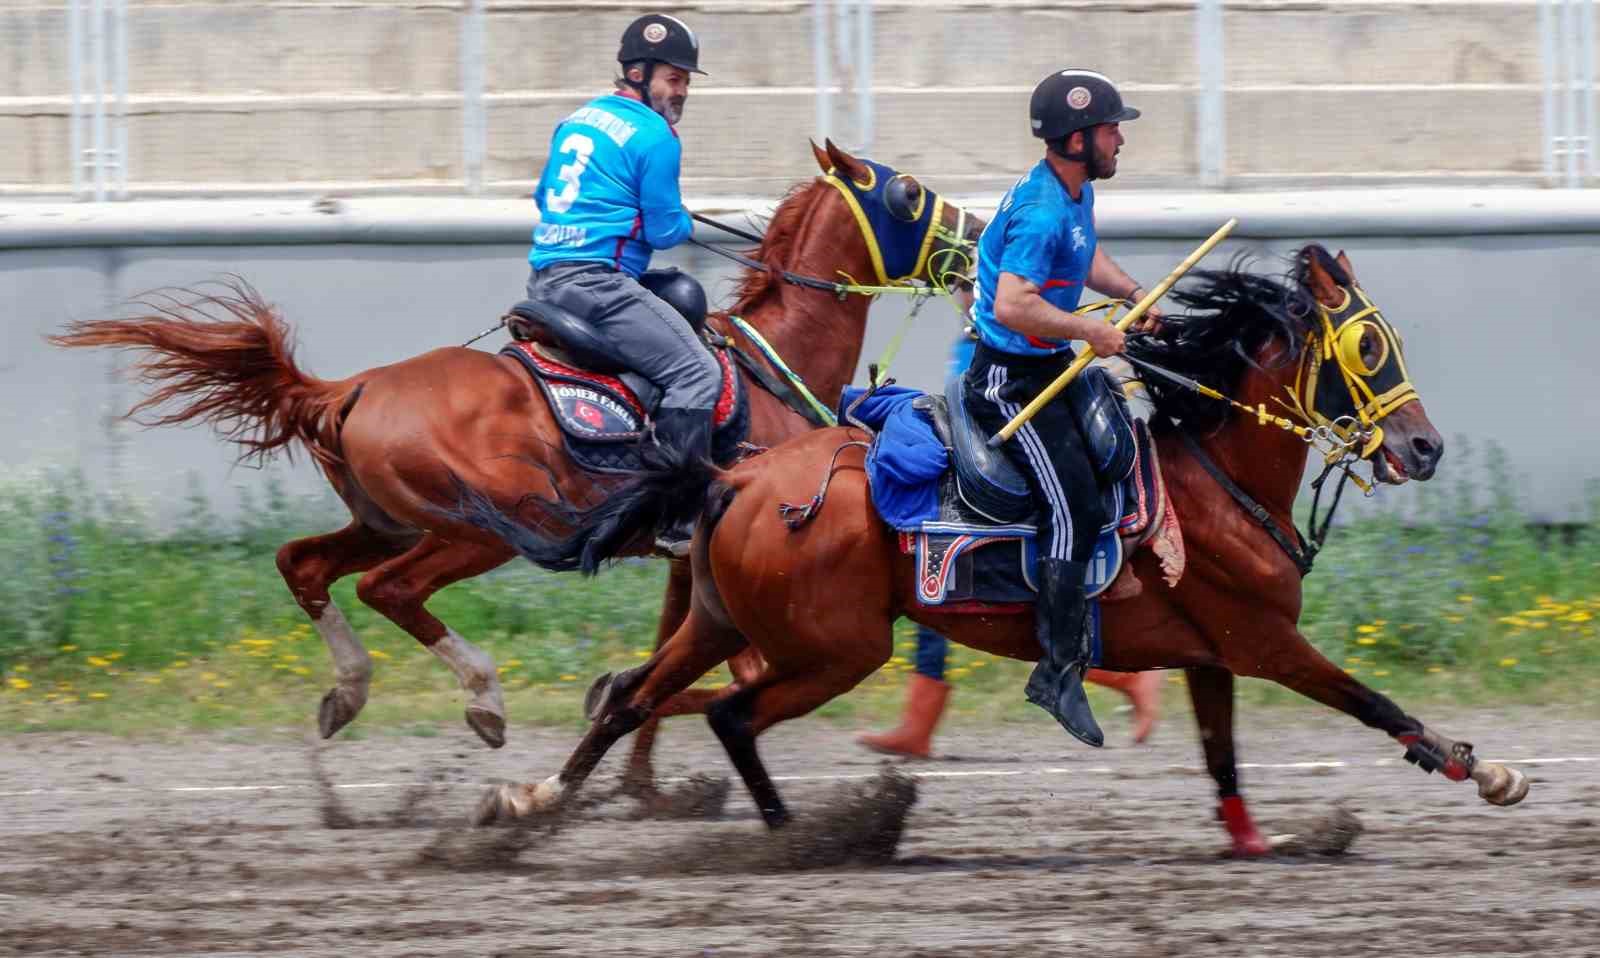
987, 480
542, 322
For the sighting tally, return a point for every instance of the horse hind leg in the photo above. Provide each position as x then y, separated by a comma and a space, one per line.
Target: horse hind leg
310, 567
399, 589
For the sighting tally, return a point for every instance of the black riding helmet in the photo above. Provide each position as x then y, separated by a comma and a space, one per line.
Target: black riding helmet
658, 38
1071, 100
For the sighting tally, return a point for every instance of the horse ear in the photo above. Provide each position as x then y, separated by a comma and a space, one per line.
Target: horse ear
1318, 280
822, 158
847, 164
1344, 264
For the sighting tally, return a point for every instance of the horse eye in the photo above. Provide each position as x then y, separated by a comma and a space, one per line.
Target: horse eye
1370, 347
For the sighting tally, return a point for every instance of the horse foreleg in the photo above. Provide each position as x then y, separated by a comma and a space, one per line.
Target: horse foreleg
744, 711
619, 704
1301, 667
1211, 692
400, 587
310, 567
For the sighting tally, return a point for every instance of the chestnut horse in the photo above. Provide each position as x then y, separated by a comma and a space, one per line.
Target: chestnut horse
392, 440
818, 602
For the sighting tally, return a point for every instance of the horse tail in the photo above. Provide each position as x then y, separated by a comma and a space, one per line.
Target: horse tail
652, 499
226, 360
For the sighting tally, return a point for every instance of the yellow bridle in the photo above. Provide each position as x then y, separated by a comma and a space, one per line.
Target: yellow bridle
1338, 342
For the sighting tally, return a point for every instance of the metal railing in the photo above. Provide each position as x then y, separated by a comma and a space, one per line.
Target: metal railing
843, 63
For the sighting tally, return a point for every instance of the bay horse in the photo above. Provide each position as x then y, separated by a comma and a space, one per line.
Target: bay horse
818, 601
392, 440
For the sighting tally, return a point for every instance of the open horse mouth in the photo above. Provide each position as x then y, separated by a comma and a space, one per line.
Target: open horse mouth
1388, 468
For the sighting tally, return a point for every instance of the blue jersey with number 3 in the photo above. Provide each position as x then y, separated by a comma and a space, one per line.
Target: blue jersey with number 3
1043, 235
609, 192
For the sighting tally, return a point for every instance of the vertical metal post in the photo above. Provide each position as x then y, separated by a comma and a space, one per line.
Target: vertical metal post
474, 120
1586, 51
119, 73
1569, 99
1548, 63
97, 51
1210, 117
75, 67
819, 61
864, 117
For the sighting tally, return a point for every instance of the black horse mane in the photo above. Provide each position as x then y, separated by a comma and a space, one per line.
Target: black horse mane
1226, 317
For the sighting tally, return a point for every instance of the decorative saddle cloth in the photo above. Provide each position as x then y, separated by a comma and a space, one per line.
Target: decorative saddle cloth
969, 519
603, 417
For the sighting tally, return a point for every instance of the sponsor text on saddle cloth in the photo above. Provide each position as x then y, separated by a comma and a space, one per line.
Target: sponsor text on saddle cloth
967, 515
602, 417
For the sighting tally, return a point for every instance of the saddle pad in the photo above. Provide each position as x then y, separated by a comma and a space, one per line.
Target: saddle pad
603, 421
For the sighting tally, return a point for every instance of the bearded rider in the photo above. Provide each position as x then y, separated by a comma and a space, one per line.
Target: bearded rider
608, 198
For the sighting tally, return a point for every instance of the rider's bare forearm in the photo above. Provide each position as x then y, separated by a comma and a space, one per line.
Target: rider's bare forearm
1109, 279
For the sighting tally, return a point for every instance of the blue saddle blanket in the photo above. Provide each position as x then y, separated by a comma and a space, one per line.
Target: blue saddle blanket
962, 555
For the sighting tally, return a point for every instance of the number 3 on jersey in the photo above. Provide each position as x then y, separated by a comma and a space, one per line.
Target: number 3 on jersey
580, 147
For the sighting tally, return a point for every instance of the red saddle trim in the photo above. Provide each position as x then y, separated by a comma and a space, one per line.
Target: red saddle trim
726, 398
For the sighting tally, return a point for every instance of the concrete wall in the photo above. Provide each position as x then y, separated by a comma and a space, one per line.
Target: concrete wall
1494, 325
365, 95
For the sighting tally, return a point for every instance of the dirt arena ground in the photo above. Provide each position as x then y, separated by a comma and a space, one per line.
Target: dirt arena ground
1018, 844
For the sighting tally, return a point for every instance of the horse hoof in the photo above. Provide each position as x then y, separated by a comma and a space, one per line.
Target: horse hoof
489, 726
488, 809
1500, 785
335, 712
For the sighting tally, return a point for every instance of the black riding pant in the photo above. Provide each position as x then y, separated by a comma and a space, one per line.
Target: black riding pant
651, 337
1049, 448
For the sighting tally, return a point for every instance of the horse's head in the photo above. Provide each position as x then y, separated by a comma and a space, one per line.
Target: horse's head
911, 233
1352, 374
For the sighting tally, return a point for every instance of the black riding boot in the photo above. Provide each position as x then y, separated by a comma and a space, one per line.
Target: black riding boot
1061, 625
681, 437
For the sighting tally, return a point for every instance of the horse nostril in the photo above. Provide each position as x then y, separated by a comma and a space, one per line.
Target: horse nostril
1426, 450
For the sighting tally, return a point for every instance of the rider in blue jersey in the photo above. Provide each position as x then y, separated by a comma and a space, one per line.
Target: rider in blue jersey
1035, 258
608, 198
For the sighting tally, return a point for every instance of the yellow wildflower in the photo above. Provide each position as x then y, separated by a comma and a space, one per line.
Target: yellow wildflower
569, 678
1465, 598
1366, 629
378, 654
1497, 578
98, 695
1380, 673
1366, 640
300, 670
98, 662
69, 648
1507, 663
21, 685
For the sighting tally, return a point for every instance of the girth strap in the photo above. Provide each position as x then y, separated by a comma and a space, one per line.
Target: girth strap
1297, 551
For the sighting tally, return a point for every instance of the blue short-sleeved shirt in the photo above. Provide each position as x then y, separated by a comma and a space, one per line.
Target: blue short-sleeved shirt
609, 191
1043, 235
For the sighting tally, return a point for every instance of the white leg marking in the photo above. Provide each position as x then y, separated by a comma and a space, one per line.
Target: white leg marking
352, 666
474, 669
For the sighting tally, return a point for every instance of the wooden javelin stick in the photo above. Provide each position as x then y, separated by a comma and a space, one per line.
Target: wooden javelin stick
1071, 372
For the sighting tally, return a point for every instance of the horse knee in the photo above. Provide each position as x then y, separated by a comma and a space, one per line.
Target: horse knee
729, 716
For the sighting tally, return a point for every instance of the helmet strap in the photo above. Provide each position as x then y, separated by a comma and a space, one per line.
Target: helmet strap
642, 88
1088, 156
